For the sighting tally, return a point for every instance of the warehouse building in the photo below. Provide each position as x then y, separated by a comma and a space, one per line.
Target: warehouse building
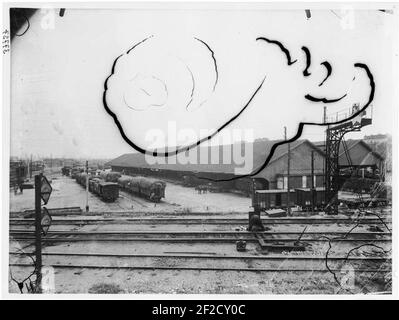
273, 176
221, 164
357, 153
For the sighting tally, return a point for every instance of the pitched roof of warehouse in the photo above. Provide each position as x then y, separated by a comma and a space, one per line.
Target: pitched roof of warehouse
260, 151
350, 144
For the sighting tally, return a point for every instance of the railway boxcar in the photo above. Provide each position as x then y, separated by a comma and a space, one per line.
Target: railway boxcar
108, 191
66, 171
75, 172
81, 178
303, 198
271, 199
124, 181
151, 189
134, 185
93, 183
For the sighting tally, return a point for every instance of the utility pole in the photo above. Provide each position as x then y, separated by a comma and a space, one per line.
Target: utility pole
38, 232
288, 174
87, 186
325, 161
30, 167
312, 192
27, 167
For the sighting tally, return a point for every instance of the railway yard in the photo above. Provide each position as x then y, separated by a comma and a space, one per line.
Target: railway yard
181, 151
188, 243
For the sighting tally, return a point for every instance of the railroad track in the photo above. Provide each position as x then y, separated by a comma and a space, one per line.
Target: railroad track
65, 238
196, 221
197, 240
196, 255
203, 261
126, 195
252, 263
205, 234
178, 268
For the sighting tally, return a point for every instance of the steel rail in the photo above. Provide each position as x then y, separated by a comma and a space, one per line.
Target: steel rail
209, 256
69, 266
117, 232
188, 221
127, 195
192, 240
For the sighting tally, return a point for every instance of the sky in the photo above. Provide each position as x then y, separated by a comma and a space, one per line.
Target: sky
59, 66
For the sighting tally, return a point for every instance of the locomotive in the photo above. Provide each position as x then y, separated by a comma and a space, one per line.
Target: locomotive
107, 191
151, 189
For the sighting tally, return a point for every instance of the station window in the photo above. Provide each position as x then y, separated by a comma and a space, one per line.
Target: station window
280, 183
303, 181
285, 183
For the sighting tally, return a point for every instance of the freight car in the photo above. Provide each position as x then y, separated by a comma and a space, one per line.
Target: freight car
18, 172
124, 181
379, 195
148, 188
356, 184
271, 199
276, 199
80, 178
75, 172
303, 198
107, 191
66, 171
263, 200
93, 182
110, 176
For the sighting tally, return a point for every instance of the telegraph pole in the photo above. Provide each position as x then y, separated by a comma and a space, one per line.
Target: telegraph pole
87, 186
312, 192
30, 167
38, 232
325, 160
288, 174
27, 167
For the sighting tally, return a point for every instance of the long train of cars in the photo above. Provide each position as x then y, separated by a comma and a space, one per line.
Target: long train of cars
106, 185
149, 188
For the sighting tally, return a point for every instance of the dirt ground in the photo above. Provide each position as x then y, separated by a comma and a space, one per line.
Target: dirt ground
84, 280
180, 202
68, 193
194, 282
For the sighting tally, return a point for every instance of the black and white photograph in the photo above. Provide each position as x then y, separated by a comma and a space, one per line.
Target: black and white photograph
199, 148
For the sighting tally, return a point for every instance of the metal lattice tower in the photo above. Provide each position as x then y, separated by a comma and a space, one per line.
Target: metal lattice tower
334, 137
